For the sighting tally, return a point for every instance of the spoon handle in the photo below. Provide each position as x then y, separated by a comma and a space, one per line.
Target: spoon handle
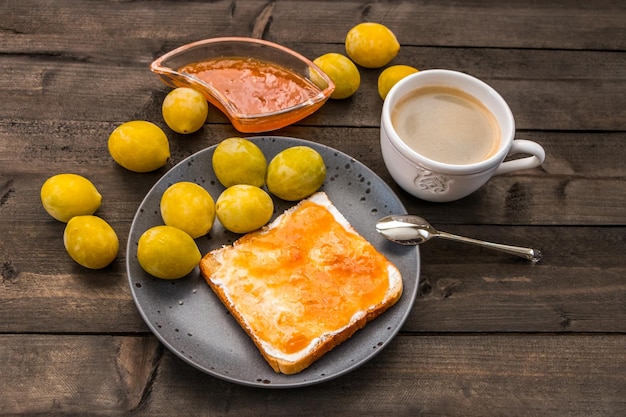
533, 255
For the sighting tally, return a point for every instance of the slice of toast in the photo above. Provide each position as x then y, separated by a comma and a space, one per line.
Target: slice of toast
303, 284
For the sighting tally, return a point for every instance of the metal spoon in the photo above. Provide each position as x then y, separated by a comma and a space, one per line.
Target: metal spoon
407, 229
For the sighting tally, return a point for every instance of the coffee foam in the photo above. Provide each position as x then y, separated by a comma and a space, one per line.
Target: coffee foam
447, 125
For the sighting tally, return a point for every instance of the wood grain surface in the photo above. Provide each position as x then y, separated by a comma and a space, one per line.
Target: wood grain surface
488, 334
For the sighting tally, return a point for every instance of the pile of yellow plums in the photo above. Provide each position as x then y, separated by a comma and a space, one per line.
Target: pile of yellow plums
189, 211
88, 239
369, 45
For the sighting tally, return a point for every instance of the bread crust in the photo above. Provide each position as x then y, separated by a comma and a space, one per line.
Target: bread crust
210, 264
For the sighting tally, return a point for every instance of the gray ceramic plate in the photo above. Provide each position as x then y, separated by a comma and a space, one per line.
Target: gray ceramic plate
191, 322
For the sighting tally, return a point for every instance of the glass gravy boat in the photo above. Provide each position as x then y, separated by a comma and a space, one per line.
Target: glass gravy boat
169, 66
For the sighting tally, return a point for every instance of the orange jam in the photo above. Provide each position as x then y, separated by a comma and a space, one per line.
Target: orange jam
253, 86
306, 277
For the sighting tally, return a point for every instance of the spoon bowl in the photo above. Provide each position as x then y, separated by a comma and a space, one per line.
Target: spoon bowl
408, 229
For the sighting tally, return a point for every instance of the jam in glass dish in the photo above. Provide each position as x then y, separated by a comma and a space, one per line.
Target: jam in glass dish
259, 85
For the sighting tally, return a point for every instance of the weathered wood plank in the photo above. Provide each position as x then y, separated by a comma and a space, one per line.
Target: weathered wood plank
545, 91
72, 301
74, 375
506, 298
512, 24
430, 375
425, 374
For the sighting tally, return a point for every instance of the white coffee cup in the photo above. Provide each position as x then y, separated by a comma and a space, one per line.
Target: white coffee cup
434, 180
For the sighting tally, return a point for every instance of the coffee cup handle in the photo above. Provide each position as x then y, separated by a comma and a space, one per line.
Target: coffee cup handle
527, 147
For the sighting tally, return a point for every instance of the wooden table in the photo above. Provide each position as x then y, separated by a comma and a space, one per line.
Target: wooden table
489, 334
